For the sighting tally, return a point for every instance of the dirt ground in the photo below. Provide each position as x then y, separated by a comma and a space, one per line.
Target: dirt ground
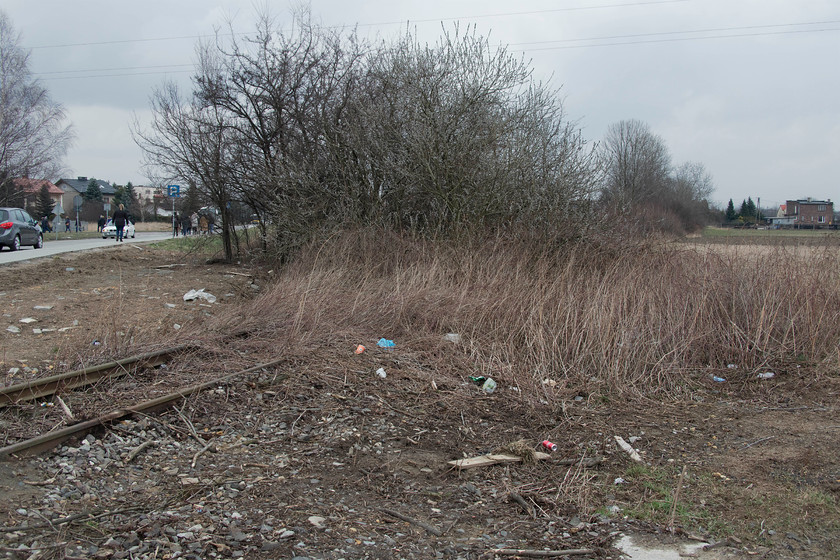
318, 456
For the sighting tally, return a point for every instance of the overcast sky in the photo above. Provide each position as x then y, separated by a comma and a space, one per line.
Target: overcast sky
748, 88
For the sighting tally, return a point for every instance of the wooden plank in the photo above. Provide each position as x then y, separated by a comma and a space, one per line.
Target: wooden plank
492, 459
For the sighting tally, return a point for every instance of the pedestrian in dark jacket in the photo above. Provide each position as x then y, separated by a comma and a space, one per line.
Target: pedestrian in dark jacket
120, 219
101, 223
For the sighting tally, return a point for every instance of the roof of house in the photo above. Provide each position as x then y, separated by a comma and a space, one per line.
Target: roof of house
80, 185
34, 185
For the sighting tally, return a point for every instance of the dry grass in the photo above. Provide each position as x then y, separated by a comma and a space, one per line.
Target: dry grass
641, 320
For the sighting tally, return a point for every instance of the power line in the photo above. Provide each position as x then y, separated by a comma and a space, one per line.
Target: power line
660, 33
681, 39
480, 16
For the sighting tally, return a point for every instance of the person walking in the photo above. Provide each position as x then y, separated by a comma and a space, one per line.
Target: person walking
186, 226
120, 219
67, 225
101, 223
194, 223
176, 223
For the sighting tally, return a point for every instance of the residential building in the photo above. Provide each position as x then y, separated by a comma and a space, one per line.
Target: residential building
810, 213
78, 186
29, 190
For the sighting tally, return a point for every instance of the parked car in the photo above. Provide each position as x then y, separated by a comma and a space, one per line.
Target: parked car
17, 228
110, 230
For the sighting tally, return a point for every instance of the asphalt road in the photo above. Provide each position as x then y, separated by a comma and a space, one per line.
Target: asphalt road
55, 247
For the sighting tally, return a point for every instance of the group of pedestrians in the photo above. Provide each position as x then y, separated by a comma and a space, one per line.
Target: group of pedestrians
191, 224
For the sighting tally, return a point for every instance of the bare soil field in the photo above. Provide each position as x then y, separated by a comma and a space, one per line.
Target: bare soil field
320, 456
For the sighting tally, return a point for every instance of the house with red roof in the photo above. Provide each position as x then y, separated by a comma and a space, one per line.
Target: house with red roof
28, 189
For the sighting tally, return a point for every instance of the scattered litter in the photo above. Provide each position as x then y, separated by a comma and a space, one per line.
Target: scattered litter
360, 349
381, 373
766, 375
717, 379
731, 366
317, 521
176, 326
486, 383
385, 343
13, 329
452, 337
549, 382
95, 343
548, 445
36, 331
69, 269
169, 305
43, 307
613, 510
28, 320
628, 449
199, 294
619, 480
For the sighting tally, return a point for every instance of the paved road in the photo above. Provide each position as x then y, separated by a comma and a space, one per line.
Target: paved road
55, 247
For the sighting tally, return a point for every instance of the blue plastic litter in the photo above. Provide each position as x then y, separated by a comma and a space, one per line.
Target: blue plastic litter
385, 343
717, 379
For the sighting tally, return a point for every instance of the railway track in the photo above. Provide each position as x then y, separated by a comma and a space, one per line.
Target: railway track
47, 386
51, 439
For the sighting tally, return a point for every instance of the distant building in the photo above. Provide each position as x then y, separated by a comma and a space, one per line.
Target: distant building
805, 213
29, 189
78, 187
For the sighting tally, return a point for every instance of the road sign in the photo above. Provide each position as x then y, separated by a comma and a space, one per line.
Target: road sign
173, 190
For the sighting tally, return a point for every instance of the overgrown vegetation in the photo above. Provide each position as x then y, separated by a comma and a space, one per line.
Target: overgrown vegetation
606, 318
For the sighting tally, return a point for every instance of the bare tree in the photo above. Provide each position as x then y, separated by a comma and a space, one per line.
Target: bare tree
637, 165
642, 188
33, 138
191, 141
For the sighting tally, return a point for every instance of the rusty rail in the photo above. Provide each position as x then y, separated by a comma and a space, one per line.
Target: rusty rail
47, 386
49, 440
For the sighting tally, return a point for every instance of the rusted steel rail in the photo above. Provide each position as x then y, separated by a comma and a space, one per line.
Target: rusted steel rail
47, 386
49, 440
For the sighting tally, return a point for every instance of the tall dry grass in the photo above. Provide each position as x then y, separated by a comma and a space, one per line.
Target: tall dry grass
636, 319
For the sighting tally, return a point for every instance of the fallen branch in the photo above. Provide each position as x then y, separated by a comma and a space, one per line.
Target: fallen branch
200, 452
429, 528
138, 450
492, 459
590, 462
676, 499
757, 441
629, 449
542, 553
522, 503
64, 407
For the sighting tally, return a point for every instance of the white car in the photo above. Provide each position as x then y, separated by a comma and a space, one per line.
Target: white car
110, 230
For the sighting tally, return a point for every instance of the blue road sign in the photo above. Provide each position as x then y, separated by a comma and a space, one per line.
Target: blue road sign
173, 190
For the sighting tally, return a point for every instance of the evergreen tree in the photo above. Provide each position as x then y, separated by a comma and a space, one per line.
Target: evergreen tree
92, 192
130, 196
752, 211
731, 215
121, 197
44, 205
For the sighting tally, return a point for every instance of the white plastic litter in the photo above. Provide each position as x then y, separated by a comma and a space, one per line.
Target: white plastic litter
193, 295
